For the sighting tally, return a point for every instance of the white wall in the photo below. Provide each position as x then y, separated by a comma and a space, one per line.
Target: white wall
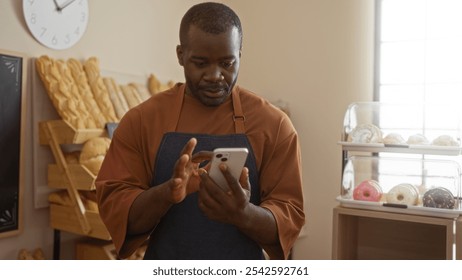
318, 56
315, 54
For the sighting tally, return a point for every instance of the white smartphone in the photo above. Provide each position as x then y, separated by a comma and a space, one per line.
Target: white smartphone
234, 158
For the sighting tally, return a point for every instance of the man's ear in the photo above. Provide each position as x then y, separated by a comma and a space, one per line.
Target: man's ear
179, 54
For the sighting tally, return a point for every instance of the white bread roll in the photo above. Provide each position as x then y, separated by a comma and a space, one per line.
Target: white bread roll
93, 152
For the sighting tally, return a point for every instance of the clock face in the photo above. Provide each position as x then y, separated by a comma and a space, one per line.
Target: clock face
57, 24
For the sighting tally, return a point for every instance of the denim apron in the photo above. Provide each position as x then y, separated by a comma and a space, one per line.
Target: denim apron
184, 232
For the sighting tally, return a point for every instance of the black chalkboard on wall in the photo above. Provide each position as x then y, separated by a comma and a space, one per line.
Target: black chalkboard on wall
12, 124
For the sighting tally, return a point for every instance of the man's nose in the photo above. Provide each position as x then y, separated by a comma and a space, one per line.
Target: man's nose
214, 74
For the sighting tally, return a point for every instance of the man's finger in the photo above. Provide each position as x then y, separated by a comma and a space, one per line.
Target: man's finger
202, 156
244, 179
189, 146
233, 183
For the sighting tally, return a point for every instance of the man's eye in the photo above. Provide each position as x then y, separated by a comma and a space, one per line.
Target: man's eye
228, 64
200, 63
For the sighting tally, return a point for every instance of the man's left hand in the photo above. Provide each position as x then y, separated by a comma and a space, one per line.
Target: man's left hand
225, 206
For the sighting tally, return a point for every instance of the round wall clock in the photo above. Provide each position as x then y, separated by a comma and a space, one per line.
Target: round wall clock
57, 24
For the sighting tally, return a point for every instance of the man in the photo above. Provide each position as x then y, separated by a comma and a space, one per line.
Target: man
151, 184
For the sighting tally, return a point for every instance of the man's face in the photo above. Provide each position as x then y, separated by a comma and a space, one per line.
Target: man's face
211, 64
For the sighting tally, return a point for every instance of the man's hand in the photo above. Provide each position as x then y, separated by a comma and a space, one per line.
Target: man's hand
234, 207
225, 206
159, 199
185, 179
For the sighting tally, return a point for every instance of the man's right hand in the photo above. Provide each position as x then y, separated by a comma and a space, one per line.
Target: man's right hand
149, 207
185, 179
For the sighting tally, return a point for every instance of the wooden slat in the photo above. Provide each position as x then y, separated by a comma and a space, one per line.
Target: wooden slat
64, 218
79, 208
65, 134
83, 179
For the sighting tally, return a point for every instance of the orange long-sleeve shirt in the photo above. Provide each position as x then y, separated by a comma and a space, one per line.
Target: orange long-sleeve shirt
128, 166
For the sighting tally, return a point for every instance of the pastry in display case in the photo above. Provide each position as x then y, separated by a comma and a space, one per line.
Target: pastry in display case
402, 128
415, 186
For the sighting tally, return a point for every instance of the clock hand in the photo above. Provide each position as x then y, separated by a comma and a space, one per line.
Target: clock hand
58, 8
66, 4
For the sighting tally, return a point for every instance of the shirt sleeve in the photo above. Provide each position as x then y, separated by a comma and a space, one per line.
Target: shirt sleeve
121, 179
281, 189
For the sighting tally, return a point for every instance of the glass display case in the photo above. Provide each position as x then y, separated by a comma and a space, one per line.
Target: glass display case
402, 158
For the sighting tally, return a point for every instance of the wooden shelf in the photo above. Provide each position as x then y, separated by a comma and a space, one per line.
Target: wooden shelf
83, 179
365, 234
73, 178
66, 134
64, 218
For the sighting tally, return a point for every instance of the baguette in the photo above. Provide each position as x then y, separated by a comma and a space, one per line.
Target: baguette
153, 84
142, 91
131, 96
80, 107
114, 96
59, 91
122, 99
85, 92
100, 93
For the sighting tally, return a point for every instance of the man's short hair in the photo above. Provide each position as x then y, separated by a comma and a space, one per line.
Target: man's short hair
210, 17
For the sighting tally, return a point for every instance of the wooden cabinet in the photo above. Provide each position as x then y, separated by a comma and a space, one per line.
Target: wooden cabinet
360, 234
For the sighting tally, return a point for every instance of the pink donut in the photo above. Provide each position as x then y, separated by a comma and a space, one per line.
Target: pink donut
368, 190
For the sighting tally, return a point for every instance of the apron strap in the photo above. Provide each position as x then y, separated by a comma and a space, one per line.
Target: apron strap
238, 117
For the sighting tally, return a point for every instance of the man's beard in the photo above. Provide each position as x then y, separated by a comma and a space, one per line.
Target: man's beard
198, 92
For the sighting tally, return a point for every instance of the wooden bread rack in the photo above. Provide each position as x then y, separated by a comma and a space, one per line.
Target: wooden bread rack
73, 178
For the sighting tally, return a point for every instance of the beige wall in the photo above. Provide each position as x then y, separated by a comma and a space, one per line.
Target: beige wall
317, 55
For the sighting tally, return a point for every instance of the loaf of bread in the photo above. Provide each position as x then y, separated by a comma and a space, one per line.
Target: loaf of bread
132, 97
100, 93
63, 92
72, 157
142, 90
155, 86
89, 200
112, 89
69, 82
86, 94
93, 152
166, 86
37, 254
121, 95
